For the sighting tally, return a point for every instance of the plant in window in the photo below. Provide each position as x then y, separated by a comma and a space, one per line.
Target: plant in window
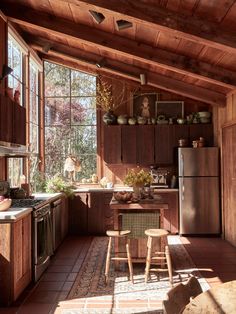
58, 184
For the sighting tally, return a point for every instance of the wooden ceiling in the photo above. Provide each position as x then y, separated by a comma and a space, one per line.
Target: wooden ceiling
183, 46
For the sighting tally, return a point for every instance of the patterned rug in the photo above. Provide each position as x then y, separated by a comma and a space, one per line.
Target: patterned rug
90, 282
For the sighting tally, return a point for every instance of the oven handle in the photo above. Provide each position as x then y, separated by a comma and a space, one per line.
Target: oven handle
39, 219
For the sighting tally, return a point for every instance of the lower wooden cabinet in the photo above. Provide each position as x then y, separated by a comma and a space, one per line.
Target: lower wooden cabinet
64, 217
171, 215
15, 259
90, 213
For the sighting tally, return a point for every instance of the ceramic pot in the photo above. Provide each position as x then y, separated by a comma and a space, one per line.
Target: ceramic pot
109, 118
122, 119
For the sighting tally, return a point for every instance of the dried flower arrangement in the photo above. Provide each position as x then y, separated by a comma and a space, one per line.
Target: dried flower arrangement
104, 97
137, 177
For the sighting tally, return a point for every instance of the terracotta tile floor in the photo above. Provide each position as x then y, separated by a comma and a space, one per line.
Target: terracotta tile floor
214, 257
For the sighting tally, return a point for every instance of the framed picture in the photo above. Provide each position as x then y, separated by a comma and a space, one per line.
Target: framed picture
144, 105
171, 109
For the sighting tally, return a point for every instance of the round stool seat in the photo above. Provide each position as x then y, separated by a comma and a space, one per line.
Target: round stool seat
156, 232
118, 233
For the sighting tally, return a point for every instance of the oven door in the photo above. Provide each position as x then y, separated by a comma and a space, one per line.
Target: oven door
43, 240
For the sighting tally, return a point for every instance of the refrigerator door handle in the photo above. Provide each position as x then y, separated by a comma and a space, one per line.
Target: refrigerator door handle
182, 165
182, 189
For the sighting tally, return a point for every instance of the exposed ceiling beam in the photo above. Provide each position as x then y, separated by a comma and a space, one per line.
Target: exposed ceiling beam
122, 46
191, 28
154, 79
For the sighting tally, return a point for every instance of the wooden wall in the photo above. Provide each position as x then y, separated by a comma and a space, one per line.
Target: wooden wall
116, 173
225, 136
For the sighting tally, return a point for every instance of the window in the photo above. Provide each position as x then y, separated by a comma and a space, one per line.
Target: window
70, 119
15, 171
15, 61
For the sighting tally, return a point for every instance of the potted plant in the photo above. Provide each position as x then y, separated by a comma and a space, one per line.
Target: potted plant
58, 184
138, 179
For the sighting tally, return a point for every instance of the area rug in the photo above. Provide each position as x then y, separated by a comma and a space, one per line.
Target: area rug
90, 282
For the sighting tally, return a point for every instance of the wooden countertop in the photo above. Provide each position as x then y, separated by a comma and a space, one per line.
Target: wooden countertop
144, 204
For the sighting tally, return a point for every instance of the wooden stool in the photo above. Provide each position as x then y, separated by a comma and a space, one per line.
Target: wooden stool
162, 258
119, 234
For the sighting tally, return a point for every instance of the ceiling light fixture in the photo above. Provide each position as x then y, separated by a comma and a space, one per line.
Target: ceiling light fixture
143, 79
97, 16
101, 63
6, 70
123, 24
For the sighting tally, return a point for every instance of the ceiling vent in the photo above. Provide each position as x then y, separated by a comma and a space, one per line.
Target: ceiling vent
98, 17
123, 24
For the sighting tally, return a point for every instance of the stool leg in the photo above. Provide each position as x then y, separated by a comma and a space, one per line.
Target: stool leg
108, 260
129, 263
148, 259
169, 265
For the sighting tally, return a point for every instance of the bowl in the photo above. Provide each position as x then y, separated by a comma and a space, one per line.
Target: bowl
205, 120
181, 121
123, 196
204, 114
5, 204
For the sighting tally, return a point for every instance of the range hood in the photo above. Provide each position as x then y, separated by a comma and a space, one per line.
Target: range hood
10, 150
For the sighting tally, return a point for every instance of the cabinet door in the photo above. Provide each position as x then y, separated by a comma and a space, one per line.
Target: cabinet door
78, 212
95, 214
128, 144
108, 212
201, 130
64, 217
19, 124
22, 255
112, 144
145, 144
6, 119
163, 144
171, 215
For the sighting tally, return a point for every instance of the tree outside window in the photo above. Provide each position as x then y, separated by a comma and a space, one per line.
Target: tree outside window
70, 119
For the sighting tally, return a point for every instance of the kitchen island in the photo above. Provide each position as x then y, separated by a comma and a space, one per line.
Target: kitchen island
138, 217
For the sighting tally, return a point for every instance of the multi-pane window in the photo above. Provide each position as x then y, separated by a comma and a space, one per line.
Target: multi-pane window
33, 107
15, 61
70, 119
15, 171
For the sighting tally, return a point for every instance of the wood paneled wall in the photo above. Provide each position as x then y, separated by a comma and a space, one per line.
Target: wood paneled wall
225, 124
116, 173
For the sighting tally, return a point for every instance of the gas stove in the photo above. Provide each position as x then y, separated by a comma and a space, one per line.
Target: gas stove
28, 202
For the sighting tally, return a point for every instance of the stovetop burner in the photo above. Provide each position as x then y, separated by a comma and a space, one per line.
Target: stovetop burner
26, 202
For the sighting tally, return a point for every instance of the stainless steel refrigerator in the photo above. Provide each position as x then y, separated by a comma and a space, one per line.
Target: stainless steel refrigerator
199, 201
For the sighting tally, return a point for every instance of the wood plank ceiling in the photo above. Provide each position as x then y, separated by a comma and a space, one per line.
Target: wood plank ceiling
185, 47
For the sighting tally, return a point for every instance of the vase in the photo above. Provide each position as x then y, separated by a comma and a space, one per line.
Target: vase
109, 117
137, 192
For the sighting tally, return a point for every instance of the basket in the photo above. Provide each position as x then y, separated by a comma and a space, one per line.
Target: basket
5, 204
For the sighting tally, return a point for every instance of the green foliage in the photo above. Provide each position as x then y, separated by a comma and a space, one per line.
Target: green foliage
136, 177
58, 184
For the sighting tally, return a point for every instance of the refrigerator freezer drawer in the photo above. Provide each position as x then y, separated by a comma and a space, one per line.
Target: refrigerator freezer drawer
199, 205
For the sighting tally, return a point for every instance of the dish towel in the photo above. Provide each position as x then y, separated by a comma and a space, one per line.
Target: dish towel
137, 223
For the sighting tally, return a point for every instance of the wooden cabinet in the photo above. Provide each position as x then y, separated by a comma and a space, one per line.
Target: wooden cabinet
6, 121
89, 213
149, 144
129, 144
171, 215
163, 144
99, 214
78, 214
12, 121
112, 144
64, 217
15, 261
19, 124
145, 144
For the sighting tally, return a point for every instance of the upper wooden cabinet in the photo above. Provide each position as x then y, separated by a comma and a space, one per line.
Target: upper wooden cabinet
112, 144
149, 144
12, 121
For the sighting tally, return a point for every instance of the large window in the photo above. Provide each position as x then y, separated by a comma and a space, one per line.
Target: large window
70, 119
15, 61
